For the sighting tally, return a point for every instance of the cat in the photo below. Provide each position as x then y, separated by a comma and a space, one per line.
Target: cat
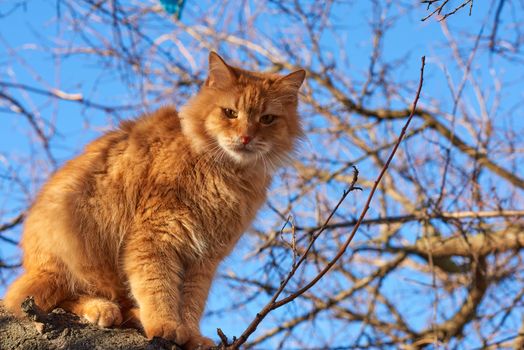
133, 229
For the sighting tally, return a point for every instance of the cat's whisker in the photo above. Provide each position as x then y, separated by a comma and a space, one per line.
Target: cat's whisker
274, 166
259, 155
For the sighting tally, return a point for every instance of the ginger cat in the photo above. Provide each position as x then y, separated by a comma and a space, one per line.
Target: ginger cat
134, 227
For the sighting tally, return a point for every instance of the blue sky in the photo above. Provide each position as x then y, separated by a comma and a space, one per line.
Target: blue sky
31, 29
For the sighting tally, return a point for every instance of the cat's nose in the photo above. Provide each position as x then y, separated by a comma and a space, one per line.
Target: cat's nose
246, 139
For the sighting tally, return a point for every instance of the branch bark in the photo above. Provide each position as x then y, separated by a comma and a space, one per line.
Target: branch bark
62, 330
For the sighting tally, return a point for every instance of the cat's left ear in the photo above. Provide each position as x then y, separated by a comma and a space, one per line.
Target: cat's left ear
293, 80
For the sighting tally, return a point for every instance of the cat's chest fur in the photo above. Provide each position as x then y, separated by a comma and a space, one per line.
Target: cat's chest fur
201, 204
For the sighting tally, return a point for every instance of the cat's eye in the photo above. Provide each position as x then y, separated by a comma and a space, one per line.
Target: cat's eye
231, 114
267, 119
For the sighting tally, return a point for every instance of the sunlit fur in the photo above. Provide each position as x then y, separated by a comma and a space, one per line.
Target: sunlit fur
131, 231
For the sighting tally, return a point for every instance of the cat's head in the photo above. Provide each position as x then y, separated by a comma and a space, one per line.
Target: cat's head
248, 117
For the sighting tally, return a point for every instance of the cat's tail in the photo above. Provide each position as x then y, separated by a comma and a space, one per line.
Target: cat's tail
47, 287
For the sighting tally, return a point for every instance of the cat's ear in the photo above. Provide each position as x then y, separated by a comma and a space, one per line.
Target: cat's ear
220, 74
293, 80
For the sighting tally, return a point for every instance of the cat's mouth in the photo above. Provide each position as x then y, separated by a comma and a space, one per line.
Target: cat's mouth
241, 153
242, 149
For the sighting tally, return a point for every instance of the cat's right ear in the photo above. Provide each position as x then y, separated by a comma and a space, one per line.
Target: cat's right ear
220, 74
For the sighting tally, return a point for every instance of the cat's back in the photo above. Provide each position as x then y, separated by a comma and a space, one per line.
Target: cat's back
110, 163
153, 129
96, 192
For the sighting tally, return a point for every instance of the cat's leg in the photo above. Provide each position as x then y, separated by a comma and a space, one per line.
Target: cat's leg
154, 272
195, 290
47, 284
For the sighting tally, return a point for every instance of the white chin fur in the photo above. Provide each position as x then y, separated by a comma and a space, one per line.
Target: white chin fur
250, 155
241, 157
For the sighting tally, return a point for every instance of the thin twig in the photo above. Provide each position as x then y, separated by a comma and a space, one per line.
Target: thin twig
273, 303
439, 9
223, 338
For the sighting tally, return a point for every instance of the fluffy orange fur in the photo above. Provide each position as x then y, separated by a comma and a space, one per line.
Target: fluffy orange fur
132, 230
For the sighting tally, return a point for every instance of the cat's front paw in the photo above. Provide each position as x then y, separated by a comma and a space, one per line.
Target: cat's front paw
198, 342
169, 330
